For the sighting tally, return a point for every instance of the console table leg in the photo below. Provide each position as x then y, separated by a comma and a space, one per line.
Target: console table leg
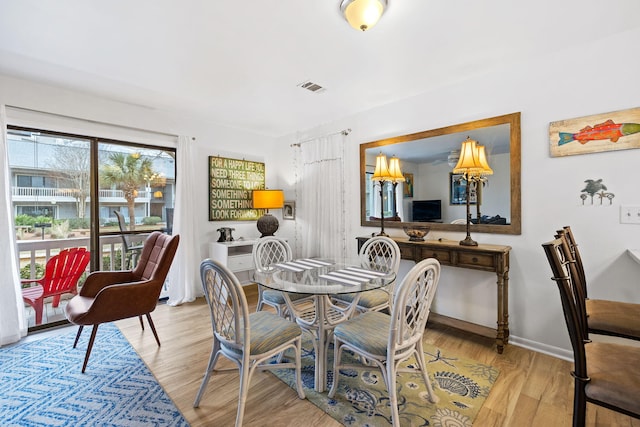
502, 337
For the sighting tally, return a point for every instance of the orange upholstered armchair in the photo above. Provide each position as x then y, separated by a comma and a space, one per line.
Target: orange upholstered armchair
107, 296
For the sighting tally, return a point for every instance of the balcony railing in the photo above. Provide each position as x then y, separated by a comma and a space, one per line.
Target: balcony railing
68, 194
39, 251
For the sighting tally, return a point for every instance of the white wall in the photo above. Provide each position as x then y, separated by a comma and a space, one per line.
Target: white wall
547, 88
211, 139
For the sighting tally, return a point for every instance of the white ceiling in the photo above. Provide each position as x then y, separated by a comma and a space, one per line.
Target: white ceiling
239, 63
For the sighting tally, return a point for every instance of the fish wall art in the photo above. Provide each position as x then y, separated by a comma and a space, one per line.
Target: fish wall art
618, 130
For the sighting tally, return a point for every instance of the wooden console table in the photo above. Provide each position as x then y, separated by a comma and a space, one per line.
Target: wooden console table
483, 257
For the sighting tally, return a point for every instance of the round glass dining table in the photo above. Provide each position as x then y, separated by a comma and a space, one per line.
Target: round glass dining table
320, 278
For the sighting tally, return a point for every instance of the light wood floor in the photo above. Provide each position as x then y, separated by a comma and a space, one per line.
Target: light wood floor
533, 389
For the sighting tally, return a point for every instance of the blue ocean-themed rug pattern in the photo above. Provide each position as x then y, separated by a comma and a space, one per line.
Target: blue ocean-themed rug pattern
41, 384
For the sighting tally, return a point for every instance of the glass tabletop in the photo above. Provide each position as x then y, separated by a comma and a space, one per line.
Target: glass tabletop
325, 277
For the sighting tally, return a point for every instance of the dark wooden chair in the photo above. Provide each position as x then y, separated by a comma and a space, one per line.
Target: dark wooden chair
605, 374
128, 246
107, 296
605, 317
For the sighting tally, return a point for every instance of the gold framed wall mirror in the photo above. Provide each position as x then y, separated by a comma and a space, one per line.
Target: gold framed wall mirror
426, 197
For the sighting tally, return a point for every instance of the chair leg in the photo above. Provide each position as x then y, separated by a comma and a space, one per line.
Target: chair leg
301, 394
141, 324
90, 346
419, 355
337, 354
245, 374
153, 328
213, 358
393, 393
579, 404
75, 343
38, 306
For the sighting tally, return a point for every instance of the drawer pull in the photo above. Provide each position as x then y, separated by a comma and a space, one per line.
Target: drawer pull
474, 259
434, 255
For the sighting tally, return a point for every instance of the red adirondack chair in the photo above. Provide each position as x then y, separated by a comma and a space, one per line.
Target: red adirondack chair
61, 276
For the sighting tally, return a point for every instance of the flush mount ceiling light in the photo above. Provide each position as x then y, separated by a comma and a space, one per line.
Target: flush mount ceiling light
362, 14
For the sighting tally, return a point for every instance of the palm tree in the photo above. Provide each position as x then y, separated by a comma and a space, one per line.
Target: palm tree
127, 172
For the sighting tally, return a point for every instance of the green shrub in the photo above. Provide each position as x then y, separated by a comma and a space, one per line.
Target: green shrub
24, 219
29, 220
151, 220
75, 223
25, 272
117, 262
44, 219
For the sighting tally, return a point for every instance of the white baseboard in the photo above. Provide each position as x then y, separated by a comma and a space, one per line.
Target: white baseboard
558, 352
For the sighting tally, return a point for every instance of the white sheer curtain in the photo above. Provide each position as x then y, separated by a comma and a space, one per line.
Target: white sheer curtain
184, 281
13, 323
320, 194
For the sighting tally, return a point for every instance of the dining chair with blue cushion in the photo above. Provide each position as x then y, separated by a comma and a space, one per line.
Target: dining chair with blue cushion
387, 340
380, 253
248, 340
267, 252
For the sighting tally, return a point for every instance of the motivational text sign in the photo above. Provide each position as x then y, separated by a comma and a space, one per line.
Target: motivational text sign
231, 182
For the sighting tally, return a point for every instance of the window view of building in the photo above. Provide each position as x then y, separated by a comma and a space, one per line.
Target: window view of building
53, 202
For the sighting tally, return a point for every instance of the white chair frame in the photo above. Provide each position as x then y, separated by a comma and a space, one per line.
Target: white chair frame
268, 251
379, 253
410, 310
232, 335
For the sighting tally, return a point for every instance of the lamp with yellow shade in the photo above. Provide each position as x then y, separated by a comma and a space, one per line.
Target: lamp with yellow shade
474, 167
267, 199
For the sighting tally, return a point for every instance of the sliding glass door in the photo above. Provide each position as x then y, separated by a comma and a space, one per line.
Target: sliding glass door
136, 190
67, 192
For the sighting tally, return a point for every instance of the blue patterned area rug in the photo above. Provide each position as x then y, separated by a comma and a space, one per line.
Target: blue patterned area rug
41, 384
362, 399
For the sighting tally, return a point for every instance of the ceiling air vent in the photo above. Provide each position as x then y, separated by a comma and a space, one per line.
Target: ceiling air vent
311, 87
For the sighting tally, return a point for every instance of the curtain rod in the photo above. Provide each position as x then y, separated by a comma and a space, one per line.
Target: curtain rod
92, 121
343, 132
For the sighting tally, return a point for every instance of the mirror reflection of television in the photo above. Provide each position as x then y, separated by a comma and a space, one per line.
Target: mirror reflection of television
427, 210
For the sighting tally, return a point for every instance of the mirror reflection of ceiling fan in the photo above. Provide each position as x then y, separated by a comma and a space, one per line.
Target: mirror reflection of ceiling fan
450, 157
